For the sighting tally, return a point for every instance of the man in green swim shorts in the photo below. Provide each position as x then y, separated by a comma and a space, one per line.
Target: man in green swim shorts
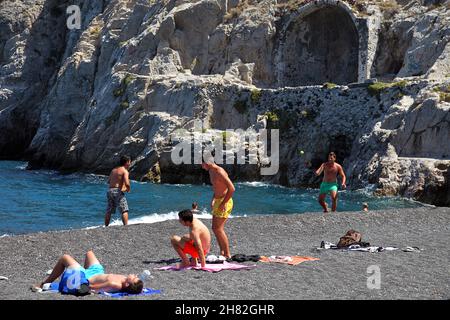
329, 184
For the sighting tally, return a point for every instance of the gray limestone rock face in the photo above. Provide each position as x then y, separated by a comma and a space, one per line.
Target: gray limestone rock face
137, 71
33, 41
321, 47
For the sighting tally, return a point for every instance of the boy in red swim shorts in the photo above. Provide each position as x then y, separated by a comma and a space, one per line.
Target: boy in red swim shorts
196, 244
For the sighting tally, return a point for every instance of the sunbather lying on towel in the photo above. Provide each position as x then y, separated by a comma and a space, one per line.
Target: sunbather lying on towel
197, 243
92, 277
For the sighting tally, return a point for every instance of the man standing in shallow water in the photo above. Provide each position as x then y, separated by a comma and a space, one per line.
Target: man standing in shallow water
221, 203
119, 182
329, 184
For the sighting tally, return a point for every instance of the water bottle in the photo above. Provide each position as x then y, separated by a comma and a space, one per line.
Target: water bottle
145, 276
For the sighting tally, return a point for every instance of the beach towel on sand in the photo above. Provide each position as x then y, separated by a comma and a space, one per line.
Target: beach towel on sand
145, 292
212, 267
54, 288
355, 247
291, 260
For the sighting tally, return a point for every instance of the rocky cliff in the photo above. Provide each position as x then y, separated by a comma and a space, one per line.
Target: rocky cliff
367, 79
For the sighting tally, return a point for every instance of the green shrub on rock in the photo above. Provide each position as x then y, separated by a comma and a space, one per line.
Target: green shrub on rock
378, 87
127, 80
118, 92
123, 86
124, 104
329, 85
444, 93
444, 96
255, 96
272, 119
113, 117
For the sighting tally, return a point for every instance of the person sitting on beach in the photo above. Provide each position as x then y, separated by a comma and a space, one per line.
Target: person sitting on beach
197, 243
365, 207
329, 184
94, 272
119, 183
195, 207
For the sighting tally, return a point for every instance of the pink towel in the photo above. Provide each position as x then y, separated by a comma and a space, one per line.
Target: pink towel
212, 267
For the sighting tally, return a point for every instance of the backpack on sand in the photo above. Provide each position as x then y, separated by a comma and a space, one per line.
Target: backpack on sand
351, 237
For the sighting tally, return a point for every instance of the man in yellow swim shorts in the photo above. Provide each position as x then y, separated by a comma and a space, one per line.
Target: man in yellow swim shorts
221, 203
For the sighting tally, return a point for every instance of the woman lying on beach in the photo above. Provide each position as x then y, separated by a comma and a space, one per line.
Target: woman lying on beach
94, 272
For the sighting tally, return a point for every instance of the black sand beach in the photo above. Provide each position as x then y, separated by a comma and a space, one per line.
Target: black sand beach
337, 275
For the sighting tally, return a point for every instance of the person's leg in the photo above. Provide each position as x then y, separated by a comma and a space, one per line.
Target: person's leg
90, 259
64, 262
124, 209
110, 209
218, 225
322, 202
178, 244
334, 196
107, 218
186, 239
125, 218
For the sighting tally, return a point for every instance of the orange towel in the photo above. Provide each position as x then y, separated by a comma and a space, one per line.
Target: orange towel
291, 260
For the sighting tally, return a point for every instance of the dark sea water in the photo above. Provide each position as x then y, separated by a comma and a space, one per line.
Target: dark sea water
33, 201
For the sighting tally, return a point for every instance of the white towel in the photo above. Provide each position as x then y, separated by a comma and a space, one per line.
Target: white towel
357, 247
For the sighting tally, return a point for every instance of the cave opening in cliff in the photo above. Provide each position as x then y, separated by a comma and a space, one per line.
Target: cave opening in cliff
321, 47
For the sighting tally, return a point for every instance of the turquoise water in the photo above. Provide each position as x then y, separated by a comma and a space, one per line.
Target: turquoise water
43, 200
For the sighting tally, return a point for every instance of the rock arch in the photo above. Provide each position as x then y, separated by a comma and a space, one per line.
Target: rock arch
322, 42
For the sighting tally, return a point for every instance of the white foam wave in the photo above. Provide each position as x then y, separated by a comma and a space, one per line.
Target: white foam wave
177, 184
258, 184
5, 235
157, 217
22, 167
367, 190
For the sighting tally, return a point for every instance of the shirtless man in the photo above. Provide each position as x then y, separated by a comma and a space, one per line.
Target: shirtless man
221, 203
197, 243
95, 274
119, 182
329, 184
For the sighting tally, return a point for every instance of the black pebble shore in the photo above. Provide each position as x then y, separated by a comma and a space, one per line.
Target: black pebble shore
25, 259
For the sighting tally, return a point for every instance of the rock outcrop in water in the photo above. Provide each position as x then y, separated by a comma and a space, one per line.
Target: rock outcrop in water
367, 79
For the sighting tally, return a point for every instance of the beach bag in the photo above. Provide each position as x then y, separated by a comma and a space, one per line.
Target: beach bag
74, 282
351, 237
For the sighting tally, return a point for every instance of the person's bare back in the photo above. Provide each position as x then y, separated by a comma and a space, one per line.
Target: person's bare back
198, 228
119, 178
218, 178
